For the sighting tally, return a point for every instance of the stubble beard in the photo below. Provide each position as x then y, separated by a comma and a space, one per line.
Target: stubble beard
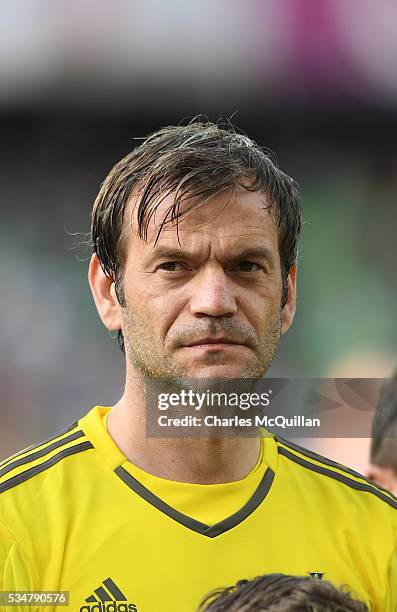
148, 359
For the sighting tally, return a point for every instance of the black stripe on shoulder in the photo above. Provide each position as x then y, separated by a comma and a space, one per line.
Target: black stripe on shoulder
317, 457
41, 453
16, 480
32, 448
331, 463
359, 486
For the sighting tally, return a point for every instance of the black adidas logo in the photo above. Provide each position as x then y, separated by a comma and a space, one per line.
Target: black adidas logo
106, 599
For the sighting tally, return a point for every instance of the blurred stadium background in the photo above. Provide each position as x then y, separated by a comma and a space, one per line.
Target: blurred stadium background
314, 80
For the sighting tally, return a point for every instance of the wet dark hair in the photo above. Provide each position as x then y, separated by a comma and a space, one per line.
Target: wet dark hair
195, 161
384, 427
282, 593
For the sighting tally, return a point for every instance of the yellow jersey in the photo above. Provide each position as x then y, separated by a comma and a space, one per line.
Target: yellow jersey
77, 516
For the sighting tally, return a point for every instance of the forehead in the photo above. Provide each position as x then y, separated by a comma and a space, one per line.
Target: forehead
233, 215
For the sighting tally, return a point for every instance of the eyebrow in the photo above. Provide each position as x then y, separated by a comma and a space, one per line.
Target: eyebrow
255, 253
172, 253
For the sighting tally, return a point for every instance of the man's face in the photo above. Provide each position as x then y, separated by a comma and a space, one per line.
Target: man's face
208, 306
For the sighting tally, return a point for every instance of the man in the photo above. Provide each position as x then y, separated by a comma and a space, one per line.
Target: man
195, 244
282, 593
383, 453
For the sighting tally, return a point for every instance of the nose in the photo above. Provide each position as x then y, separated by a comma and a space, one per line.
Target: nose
212, 293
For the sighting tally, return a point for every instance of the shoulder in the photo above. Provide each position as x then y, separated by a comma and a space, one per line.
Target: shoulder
27, 465
336, 477
36, 485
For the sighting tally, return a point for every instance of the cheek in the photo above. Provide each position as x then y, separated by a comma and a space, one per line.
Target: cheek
262, 302
153, 309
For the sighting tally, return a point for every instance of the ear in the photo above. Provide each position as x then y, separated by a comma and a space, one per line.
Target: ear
288, 312
104, 294
384, 476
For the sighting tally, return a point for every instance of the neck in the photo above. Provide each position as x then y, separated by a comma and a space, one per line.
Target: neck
194, 460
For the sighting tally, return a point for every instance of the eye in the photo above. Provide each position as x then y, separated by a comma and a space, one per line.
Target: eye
248, 266
171, 266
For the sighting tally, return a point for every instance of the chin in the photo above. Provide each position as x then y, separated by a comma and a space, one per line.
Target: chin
219, 371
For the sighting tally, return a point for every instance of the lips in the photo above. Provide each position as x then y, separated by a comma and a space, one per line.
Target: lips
213, 341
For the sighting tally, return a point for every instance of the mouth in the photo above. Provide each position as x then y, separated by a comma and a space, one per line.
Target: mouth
214, 343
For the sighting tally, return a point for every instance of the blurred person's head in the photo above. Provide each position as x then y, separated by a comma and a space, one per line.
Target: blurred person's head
195, 235
383, 452
282, 593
